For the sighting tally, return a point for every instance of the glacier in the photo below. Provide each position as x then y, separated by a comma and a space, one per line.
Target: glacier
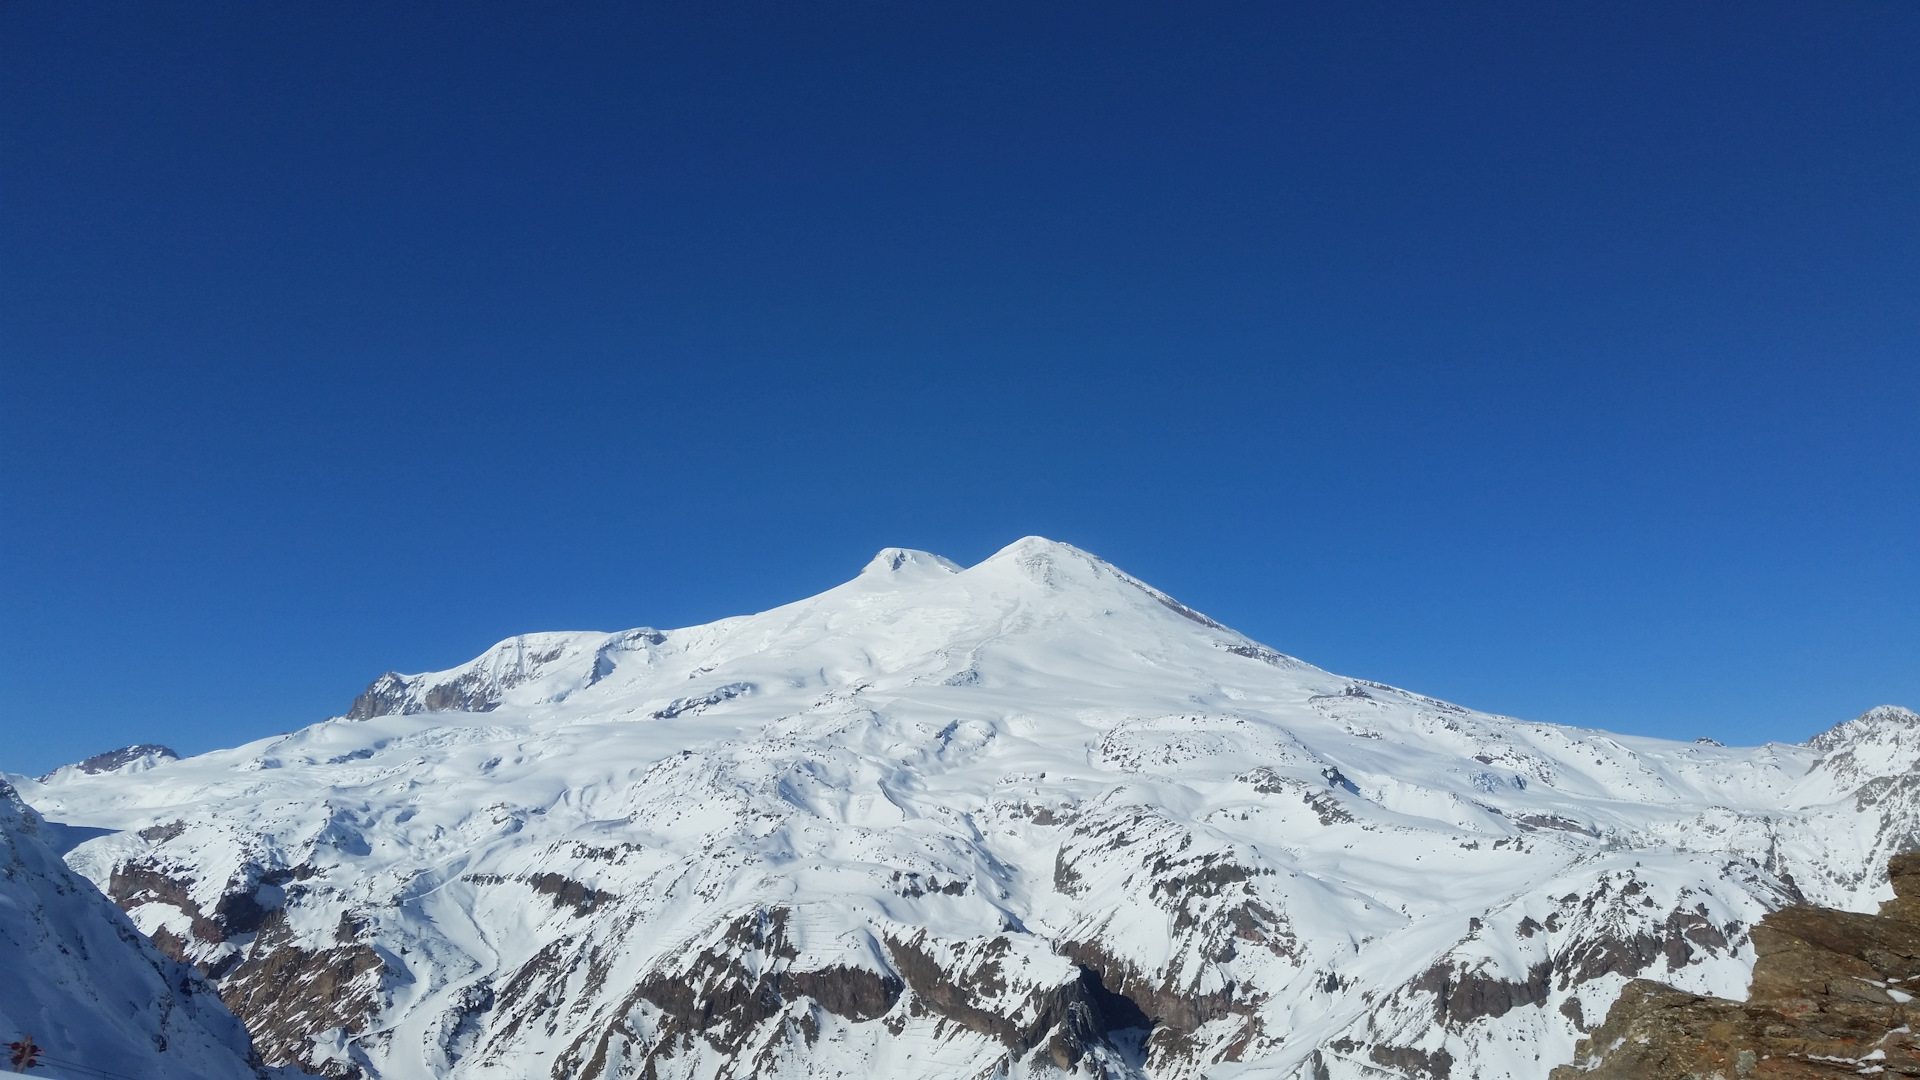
1031, 817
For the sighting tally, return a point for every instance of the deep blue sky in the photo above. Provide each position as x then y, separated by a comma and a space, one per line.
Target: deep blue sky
1560, 360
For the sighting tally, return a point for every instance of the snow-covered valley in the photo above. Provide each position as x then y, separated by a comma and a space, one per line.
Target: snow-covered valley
1027, 817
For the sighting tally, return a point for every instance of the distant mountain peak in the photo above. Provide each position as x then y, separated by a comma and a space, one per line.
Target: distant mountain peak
140, 755
1881, 721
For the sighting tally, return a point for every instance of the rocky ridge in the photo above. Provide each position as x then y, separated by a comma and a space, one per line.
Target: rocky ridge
126, 759
1832, 996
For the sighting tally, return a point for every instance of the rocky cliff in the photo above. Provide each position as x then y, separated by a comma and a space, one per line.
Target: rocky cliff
1832, 996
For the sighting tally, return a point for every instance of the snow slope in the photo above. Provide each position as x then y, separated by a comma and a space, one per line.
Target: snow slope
83, 982
1025, 817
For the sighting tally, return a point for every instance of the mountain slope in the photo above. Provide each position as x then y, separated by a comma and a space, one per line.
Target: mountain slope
81, 980
1027, 816
1827, 1002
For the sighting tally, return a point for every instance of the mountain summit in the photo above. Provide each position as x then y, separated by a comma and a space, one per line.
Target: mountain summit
910, 616
1024, 818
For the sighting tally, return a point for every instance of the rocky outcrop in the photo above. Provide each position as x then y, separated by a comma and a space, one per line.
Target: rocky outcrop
482, 684
1463, 996
145, 755
394, 693
288, 994
1059, 1023
739, 997
1832, 996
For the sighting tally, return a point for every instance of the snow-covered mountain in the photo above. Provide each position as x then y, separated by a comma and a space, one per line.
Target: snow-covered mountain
126, 759
1009, 820
90, 990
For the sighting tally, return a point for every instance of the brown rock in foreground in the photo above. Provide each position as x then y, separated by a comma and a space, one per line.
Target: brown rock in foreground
1832, 996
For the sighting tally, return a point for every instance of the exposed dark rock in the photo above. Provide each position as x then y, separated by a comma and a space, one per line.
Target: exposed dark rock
913, 886
1089, 1014
394, 694
1463, 996
384, 696
171, 945
1327, 808
1674, 940
239, 911
1552, 821
283, 993
160, 834
681, 706
1262, 654
1408, 1061
136, 884
1215, 909
1065, 878
855, 993
1175, 1011
116, 759
1826, 1002
1350, 692
605, 658
462, 1024
1044, 815
1324, 804
286, 994
527, 993
1064, 1022
1179, 608
471, 692
1335, 778
1841, 735
957, 995
568, 893
719, 999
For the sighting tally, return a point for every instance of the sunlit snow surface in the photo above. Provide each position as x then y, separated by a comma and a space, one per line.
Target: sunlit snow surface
1038, 751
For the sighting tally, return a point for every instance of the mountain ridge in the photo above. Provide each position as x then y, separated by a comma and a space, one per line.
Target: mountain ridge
988, 818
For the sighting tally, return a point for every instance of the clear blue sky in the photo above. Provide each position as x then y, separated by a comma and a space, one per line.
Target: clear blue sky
1556, 359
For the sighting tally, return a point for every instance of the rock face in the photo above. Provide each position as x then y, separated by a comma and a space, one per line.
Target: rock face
481, 684
1832, 997
126, 759
1028, 817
